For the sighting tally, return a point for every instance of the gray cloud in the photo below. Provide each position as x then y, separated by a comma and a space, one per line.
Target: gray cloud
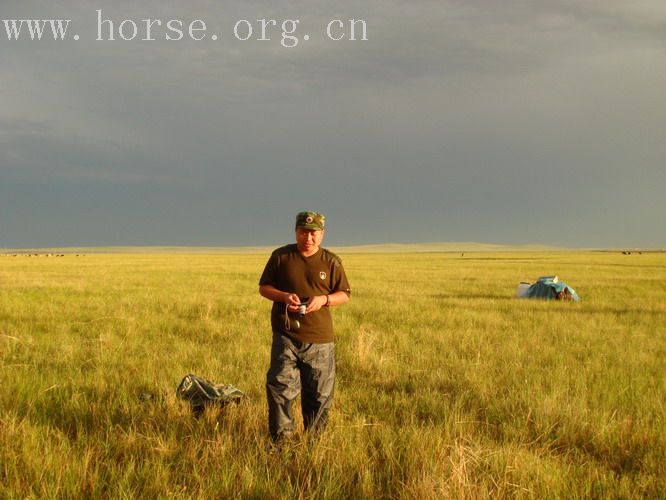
514, 121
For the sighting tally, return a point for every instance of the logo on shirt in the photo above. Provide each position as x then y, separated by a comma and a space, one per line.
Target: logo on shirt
322, 275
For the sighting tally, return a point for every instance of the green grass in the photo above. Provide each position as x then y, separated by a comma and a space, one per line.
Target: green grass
447, 385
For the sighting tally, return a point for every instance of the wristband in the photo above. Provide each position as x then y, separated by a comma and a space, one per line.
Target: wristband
328, 300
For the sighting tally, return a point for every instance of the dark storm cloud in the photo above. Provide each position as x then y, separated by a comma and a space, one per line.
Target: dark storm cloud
514, 122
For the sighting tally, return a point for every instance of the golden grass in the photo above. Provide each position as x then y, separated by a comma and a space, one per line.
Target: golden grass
447, 385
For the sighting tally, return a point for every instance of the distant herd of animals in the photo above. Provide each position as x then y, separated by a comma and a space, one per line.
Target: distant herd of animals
40, 255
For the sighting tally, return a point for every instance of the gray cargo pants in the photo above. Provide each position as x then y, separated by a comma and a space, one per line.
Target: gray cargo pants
299, 367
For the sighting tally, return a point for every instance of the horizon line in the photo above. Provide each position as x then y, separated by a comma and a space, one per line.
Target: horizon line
452, 247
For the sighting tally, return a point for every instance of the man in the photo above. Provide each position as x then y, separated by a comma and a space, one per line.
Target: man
302, 352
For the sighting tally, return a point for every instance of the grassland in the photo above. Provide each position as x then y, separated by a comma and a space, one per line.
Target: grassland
447, 385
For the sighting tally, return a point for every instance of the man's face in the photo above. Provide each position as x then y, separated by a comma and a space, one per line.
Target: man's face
308, 240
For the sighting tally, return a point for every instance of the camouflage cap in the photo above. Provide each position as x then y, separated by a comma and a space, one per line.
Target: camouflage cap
310, 220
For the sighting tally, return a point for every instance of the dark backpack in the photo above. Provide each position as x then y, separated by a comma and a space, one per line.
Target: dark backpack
201, 393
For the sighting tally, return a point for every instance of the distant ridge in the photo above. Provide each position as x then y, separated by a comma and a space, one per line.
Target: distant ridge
443, 247
141, 249
373, 248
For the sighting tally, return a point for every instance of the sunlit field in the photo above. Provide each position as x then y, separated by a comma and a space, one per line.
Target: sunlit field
448, 386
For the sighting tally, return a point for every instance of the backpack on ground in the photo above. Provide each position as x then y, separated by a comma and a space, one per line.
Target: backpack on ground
201, 393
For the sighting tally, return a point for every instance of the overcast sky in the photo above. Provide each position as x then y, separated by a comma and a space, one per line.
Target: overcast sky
506, 122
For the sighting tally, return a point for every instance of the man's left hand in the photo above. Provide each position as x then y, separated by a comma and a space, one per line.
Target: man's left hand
316, 303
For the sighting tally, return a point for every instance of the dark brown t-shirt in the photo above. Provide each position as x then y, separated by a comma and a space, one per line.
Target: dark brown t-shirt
320, 274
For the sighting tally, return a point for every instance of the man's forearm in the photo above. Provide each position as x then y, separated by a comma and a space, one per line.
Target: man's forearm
272, 293
337, 298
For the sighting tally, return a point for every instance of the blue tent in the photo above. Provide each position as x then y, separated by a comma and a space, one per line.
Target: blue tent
550, 287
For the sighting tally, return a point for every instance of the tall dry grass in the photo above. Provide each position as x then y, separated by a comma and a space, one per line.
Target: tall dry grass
447, 385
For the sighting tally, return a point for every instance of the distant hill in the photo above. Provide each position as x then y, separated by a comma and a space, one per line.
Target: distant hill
375, 248
442, 247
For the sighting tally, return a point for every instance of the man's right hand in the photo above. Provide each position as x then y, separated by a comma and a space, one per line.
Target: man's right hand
293, 301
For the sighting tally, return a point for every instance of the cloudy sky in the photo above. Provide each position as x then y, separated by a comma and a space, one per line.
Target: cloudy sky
507, 122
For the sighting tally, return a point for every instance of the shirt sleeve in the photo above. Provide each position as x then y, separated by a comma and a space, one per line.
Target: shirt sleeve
340, 283
269, 276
